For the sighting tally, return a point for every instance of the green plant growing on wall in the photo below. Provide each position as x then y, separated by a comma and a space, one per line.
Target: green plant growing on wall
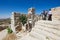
9, 30
23, 19
47, 38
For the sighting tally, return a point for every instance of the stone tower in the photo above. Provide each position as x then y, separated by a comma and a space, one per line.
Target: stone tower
31, 14
31, 11
15, 22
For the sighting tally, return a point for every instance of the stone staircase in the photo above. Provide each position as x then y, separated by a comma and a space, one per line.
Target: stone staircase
44, 30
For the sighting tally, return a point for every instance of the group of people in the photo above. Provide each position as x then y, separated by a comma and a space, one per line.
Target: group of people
47, 15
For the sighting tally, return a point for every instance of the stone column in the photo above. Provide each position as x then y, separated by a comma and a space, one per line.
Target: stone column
15, 22
31, 11
12, 22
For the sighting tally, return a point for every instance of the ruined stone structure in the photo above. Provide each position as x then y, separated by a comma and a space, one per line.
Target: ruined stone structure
15, 22
31, 15
37, 17
55, 13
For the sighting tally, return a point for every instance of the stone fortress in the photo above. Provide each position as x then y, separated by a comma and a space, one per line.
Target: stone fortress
15, 23
41, 29
32, 18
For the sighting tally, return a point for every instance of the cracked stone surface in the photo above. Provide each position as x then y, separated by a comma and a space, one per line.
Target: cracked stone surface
44, 30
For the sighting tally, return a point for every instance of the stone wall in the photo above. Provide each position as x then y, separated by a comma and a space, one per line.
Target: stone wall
15, 22
56, 13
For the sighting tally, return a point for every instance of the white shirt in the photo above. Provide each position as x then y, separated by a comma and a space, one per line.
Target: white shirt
49, 12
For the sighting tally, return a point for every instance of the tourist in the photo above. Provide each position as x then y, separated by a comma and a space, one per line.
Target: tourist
44, 15
50, 15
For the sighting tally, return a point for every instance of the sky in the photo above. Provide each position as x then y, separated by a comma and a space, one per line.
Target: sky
22, 6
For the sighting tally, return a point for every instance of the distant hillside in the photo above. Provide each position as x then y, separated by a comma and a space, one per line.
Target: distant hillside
5, 21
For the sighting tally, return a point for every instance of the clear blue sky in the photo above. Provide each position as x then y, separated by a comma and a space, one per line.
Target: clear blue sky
8, 6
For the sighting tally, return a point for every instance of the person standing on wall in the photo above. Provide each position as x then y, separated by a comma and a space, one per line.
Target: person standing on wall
44, 15
50, 15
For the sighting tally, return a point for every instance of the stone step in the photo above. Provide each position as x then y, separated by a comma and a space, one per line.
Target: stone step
54, 31
40, 35
47, 34
37, 35
27, 37
56, 23
50, 26
49, 22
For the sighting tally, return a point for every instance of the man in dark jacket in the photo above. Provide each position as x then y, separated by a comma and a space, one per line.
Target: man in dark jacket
50, 15
44, 15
